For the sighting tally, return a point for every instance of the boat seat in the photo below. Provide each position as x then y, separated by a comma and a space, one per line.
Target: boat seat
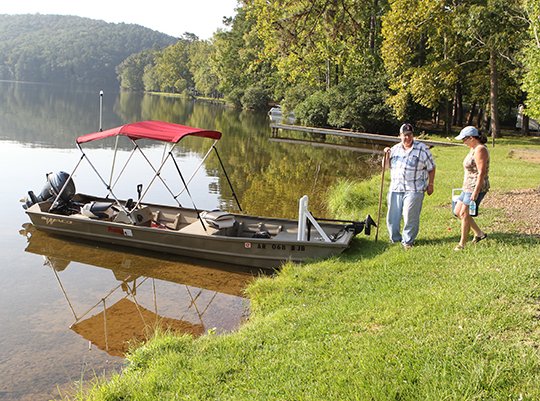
261, 227
98, 210
172, 223
142, 216
218, 219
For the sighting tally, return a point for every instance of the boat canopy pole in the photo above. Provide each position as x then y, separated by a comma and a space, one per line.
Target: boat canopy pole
187, 189
103, 181
156, 175
226, 176
197, 169
303, 217
67, 181
114, 160
124, 168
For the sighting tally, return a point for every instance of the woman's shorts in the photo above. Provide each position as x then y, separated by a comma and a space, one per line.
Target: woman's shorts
465, 198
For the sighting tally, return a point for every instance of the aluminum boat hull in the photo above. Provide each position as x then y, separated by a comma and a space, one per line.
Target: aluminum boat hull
191, 239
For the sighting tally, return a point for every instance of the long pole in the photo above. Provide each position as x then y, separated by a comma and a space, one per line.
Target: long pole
100, 110
380, 197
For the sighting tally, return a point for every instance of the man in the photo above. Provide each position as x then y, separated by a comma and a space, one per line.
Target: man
412, 172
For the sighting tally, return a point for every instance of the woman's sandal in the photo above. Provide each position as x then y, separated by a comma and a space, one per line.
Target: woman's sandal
477, 239
459, 247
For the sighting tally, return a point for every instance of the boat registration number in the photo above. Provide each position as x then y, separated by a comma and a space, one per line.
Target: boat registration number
275, 247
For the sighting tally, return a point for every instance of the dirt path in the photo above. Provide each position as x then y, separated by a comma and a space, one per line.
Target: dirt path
521, 207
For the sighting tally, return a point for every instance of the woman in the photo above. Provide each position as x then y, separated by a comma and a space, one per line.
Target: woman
475, 183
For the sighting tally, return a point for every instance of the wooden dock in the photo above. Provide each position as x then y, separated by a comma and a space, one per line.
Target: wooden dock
364, 136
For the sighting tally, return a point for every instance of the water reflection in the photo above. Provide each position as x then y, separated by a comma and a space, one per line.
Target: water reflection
269, 177
206, 297
39, 124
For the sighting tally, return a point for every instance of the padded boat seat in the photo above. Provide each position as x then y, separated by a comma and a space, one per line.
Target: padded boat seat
218, 219
98, 210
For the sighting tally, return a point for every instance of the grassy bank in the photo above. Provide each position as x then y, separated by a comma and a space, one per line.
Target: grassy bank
378, 322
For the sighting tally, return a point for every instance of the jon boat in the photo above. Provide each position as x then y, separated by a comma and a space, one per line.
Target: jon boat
234, 238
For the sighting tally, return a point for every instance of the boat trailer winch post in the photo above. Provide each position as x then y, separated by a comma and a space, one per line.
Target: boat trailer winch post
303, 216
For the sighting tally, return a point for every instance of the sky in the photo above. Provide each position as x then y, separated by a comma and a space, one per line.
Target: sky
173, 17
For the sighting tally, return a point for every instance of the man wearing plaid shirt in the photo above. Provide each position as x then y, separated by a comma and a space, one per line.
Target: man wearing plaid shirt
412, 172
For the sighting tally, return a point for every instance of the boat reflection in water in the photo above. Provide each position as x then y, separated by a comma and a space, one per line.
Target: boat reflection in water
196, 298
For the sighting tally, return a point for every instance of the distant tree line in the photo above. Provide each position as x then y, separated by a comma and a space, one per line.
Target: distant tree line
67, 49
362, 64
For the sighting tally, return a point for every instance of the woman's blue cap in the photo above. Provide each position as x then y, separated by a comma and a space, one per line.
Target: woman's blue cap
467, 131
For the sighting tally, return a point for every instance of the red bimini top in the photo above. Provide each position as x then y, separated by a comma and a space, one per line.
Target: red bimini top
154, 130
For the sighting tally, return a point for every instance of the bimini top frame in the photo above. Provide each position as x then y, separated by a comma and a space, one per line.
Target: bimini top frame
157, 131
153, 130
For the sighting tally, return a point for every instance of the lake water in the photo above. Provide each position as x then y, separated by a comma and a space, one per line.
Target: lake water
69, 310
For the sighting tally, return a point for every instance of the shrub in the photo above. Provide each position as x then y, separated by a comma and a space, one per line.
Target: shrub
314, 110
255, 98
234, 97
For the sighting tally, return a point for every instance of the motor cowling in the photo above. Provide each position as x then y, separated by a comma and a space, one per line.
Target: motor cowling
55, 183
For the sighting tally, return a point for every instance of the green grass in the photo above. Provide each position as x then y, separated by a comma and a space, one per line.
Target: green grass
377, 323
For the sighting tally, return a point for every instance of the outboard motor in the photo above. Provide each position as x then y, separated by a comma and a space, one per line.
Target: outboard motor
51, 189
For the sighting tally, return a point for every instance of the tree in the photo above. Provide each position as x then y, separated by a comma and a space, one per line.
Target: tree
497, 30
421, 52
436, 52
236, 59
531, 80
131, 70
317, 42
205, 79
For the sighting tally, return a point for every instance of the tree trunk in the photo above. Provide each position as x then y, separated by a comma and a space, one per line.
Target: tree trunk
524, 120
484, 125
448, 118
493, 95
471, 114
525, 125
459, 105
327, 83
373, 26
480, 118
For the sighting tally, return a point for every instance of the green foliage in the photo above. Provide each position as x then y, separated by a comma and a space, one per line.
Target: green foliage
205, 79
295, 95
131, 70
255, 98
314, 110
413, 57
63, 49
360, 103
236, 60
531, 81
171, 68
234, 98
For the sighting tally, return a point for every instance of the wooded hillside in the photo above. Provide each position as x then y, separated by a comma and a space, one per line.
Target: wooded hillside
54, 48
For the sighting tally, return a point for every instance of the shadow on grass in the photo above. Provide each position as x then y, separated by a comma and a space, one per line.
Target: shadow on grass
512, 239
364, 248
